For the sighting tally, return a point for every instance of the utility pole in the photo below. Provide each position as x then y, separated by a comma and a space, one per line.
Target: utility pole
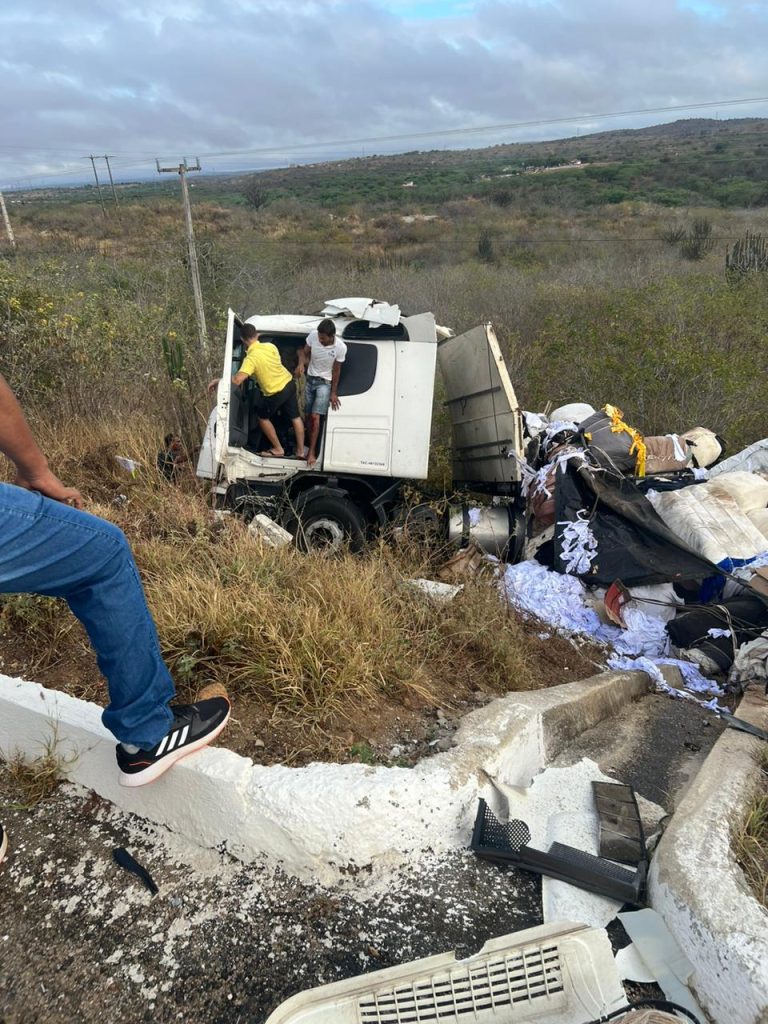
181, 170
7, 222
112, 184
98, 185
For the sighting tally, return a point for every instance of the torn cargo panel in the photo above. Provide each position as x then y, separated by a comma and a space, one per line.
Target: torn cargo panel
633, 542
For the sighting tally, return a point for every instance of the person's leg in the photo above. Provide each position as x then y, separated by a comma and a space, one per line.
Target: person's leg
290, 404
267, 429
298, 429
314, 430
320, 406
51, 549
309, 399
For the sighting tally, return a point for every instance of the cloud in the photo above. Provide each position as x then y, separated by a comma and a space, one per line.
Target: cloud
182, 77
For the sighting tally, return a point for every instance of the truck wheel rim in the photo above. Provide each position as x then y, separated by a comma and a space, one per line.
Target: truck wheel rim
324, 533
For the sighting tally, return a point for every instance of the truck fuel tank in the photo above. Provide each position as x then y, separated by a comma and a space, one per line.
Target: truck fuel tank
491, 528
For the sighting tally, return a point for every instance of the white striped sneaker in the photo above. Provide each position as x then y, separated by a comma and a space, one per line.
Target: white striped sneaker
194, 726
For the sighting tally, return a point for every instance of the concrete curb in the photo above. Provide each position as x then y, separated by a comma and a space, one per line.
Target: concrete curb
324, 820
699, 889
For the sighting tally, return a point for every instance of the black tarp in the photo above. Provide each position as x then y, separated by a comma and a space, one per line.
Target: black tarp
634, 544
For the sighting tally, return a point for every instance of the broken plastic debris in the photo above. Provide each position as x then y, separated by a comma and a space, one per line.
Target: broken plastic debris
632, 967
661, 953
434, 589
125, 860
129, 465
507, 843
269, 531
372, 310
555, 974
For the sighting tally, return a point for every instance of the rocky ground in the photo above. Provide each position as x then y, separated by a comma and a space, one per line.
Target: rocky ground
82, 940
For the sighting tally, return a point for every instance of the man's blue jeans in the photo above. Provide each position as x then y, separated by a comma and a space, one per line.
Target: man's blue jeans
52, 549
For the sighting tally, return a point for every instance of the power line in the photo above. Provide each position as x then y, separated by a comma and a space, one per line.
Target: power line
287, 148
467, 129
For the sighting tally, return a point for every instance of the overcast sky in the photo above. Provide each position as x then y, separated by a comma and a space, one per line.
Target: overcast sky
231, 79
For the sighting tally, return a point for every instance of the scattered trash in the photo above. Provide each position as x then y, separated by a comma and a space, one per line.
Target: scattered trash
129, 465
555, 974
621, 831
652, 1011
632, 967
647, 545
125, 860
663, 957
436, 590
739, 723
507, 843
269, 531
466, 562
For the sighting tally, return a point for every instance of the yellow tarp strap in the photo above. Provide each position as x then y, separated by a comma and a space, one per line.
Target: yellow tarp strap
618, 426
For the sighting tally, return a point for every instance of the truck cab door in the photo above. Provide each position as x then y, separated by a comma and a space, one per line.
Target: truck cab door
223, 393
228, 430
486, 422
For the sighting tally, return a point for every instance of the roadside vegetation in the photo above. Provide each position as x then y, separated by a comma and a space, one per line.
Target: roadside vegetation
614, 300
751, 839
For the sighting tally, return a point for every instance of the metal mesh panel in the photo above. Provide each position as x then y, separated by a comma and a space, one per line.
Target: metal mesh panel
510, 835
465, 993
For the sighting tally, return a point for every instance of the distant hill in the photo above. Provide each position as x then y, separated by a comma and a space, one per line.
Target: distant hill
696, 161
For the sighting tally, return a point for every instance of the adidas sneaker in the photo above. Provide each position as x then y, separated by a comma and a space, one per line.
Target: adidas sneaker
194, 726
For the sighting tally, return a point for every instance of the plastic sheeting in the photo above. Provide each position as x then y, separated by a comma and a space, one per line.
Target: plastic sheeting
372, 310
634, 544
561, 602
751, 459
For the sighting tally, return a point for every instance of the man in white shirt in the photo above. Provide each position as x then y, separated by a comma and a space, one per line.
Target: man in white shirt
322, 357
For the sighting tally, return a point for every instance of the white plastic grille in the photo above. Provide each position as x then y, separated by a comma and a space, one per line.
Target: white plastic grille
468, 993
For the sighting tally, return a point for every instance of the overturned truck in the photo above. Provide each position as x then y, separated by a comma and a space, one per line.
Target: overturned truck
379, 438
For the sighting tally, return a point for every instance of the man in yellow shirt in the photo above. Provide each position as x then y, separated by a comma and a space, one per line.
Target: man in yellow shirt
278, 390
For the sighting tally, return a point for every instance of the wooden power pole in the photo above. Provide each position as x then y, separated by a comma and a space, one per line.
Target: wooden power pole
7, 222
98, 185
182, 170
112, 185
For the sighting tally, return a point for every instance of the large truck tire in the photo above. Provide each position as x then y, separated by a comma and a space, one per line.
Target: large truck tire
328, 523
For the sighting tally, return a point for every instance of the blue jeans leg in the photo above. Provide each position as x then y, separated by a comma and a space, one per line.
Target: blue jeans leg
51, 549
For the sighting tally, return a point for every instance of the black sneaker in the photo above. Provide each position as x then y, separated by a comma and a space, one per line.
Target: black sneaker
3, 843
194, 726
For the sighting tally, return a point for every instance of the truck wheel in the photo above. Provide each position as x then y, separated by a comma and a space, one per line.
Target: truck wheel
328, 523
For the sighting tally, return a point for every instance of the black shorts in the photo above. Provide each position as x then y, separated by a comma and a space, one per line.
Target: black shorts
268, 405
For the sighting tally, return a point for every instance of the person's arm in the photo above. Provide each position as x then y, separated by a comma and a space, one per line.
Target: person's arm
213, 385
335, 403
305, 355
247, 366
17, 442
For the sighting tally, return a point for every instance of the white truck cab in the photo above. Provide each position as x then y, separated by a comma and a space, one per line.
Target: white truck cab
380, 435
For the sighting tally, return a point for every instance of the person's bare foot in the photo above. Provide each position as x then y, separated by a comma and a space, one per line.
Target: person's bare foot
311, 459
272, 453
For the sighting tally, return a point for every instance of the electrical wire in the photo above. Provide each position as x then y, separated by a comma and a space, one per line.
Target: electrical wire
316, 146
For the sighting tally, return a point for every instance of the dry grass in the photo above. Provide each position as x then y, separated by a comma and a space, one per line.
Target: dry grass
309, 639
24, 783
751, 840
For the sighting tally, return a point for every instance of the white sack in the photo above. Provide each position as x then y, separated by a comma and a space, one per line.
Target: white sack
748, 490
760, 520
711, 524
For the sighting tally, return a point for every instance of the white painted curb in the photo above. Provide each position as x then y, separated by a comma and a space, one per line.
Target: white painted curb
323, 820
699, 889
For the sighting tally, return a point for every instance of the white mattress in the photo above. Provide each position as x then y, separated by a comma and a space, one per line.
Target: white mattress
710, 518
